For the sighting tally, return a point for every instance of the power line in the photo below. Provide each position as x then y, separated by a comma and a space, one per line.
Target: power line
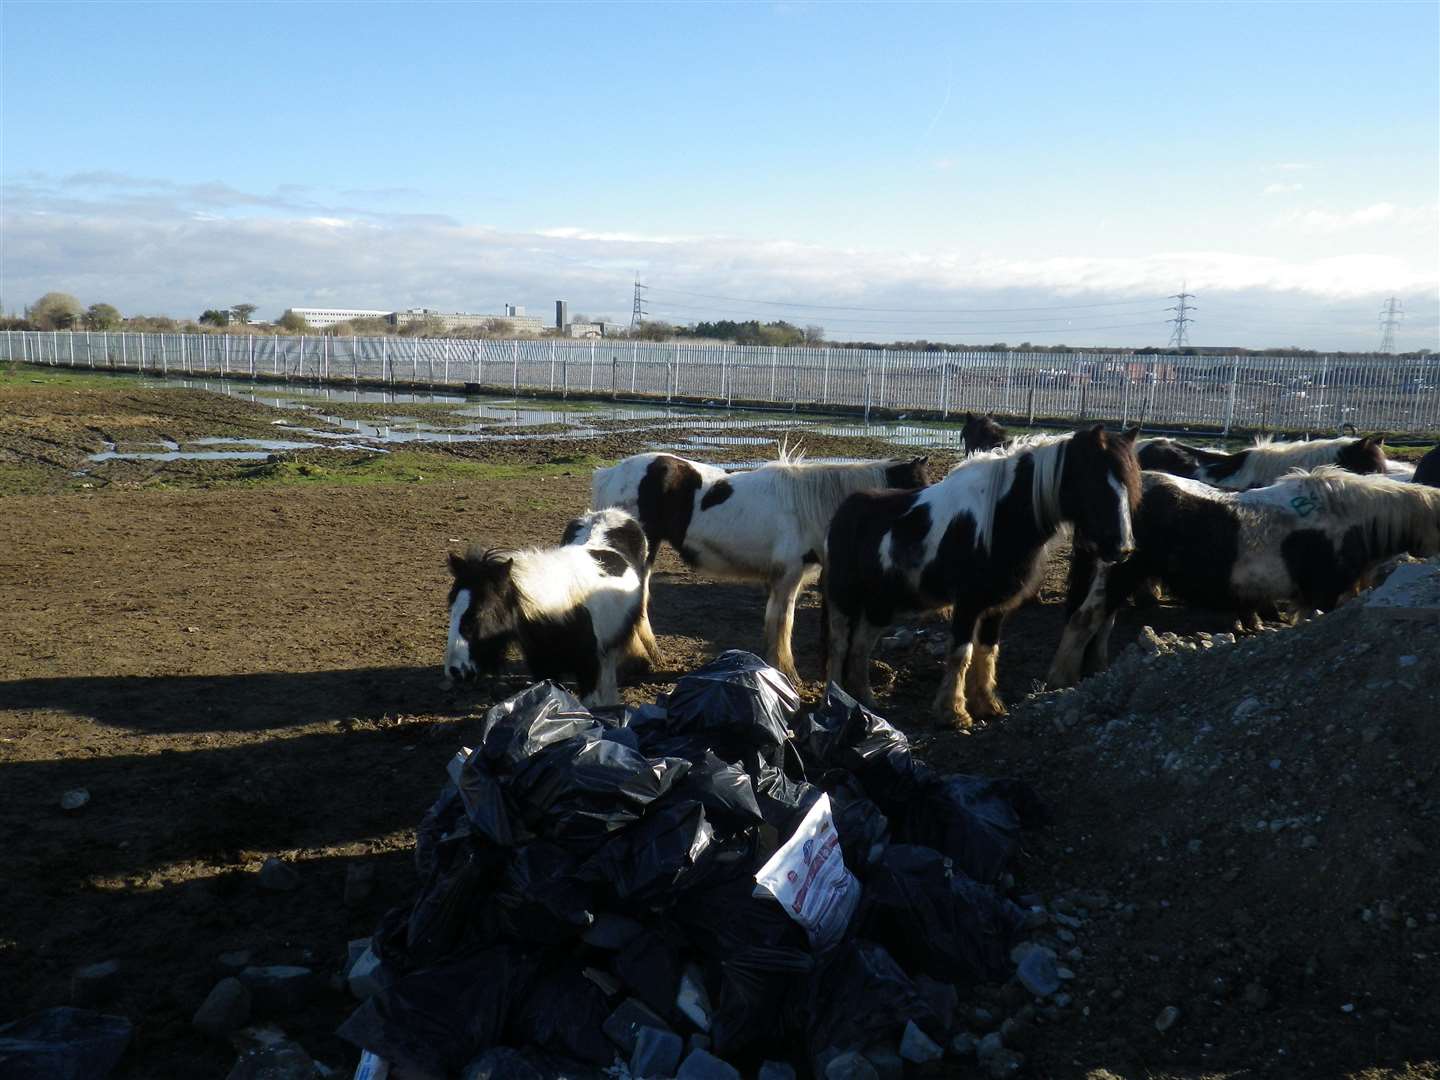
1390, 314
1177, 337
910, 311
962, 324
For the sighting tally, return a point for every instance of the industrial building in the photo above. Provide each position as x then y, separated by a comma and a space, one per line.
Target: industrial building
512, 319
323, 317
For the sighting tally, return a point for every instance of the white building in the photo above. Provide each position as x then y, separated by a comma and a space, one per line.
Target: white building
322, 317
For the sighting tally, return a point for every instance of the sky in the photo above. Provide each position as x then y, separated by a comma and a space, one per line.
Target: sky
1043, 172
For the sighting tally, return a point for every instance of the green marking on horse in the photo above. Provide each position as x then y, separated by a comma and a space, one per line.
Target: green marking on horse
1305, 505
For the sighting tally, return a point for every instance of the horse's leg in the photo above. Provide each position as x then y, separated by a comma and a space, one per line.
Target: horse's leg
860, 646
1080, 630
607, 688
1097, 653
980, 676
950, 698
780, 620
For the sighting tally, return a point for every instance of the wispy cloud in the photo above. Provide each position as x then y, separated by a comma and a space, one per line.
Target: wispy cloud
1290, 166
1282, 189
1321, 220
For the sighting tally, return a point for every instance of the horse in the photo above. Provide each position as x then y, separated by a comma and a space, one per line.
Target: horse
573, 609
975, 542
766, 524
1309, 540
1428, 471
981, 433
1261, 464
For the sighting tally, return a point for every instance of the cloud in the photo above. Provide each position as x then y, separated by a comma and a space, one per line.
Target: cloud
1380, 213
179, 249
1290, 166
1282, 189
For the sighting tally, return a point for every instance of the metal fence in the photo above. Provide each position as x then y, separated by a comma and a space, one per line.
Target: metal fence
1256, 393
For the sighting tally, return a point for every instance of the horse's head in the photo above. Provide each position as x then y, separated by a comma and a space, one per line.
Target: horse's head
900, 473
482, 613
1363, 456
981, 433
1165, 455
1100, 490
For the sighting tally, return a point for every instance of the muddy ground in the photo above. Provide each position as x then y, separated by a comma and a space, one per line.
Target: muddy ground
240, 660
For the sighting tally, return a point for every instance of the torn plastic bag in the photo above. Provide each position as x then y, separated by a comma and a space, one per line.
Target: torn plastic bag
434, 1020
861, 997
864, 830
724, 789
63, 1044
653, 856
783, 802
564, 1012
579, 791
541, 897
969, 818
936, 919
737, 699
808, 876
539, 716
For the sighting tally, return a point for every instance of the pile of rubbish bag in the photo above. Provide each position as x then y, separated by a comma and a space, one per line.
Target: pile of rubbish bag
722, 875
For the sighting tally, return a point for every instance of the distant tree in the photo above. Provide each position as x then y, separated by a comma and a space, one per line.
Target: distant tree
814, 334
55, 311
214, 317
293, 322
654, 331
102, 317
373, 326
424, 326
15, 322
241, 313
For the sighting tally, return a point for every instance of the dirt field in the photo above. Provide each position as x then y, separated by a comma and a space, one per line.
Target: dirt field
241, 660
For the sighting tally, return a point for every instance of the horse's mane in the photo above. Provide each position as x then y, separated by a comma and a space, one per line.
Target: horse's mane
1270, 460
1398, 516
1048, 452
813, 490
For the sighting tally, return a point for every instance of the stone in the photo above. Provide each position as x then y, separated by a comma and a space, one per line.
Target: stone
942, 997
888, 1063
1247, 707
1038, 974
366, 976
235, 959
703, 1065
1256, 996
1017, 1033
95, 983
692, 999
697, 1041
850, 1066
656, 1054
280, 1060
1166, 1020
72, 801
359, 883
989, 1046
622, 1026
963, 1045
279, 990
500, 1063
982, 1017
276, 875
1005, 1064
225, 1009
917, 1047
775, 1070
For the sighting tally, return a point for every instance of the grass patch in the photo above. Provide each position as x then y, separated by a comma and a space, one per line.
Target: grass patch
20, 378
400, 467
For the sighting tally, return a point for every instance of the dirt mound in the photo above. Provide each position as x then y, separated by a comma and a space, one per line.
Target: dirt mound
1265, 812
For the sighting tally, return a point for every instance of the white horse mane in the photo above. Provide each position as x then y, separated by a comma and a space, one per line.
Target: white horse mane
1048, 452
1399, 514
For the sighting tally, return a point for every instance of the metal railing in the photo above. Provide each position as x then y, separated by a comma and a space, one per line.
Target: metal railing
1317, 394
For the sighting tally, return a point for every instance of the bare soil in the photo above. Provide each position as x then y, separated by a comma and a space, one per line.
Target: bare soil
238, 672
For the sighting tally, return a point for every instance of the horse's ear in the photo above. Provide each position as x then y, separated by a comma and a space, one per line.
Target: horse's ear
969, 416
921, 462
1131, 433
457, 564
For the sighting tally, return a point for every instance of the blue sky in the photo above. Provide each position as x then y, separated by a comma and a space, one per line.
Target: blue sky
1281, 158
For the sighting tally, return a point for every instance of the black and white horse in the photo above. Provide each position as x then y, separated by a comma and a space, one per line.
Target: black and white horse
981, 433
1260, 464
767, 524
573, 609
976, 542
1307, 541
1428, 471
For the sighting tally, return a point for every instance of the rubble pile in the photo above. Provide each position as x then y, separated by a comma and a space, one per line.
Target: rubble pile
719, 882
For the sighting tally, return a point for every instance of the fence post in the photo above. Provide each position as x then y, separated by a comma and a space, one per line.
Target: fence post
1324, 380
1230, 402
592, 365
124, 359
446, 379
825, 381
774, 360
552, 367
866, 376
634, 363
415, 362
10, 344
564, 377
614, 371
725, 374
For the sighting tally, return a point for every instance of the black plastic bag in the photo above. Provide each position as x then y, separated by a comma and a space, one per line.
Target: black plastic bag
969, 818
937, 920
541, 897
486, 803
653, 856
724, 789
539, 716
843, 734
737, 699
436, 1019
783, 802
650, 967
442, 920
63, 1044
578, 791
564, 1012
861, 997
863, 829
